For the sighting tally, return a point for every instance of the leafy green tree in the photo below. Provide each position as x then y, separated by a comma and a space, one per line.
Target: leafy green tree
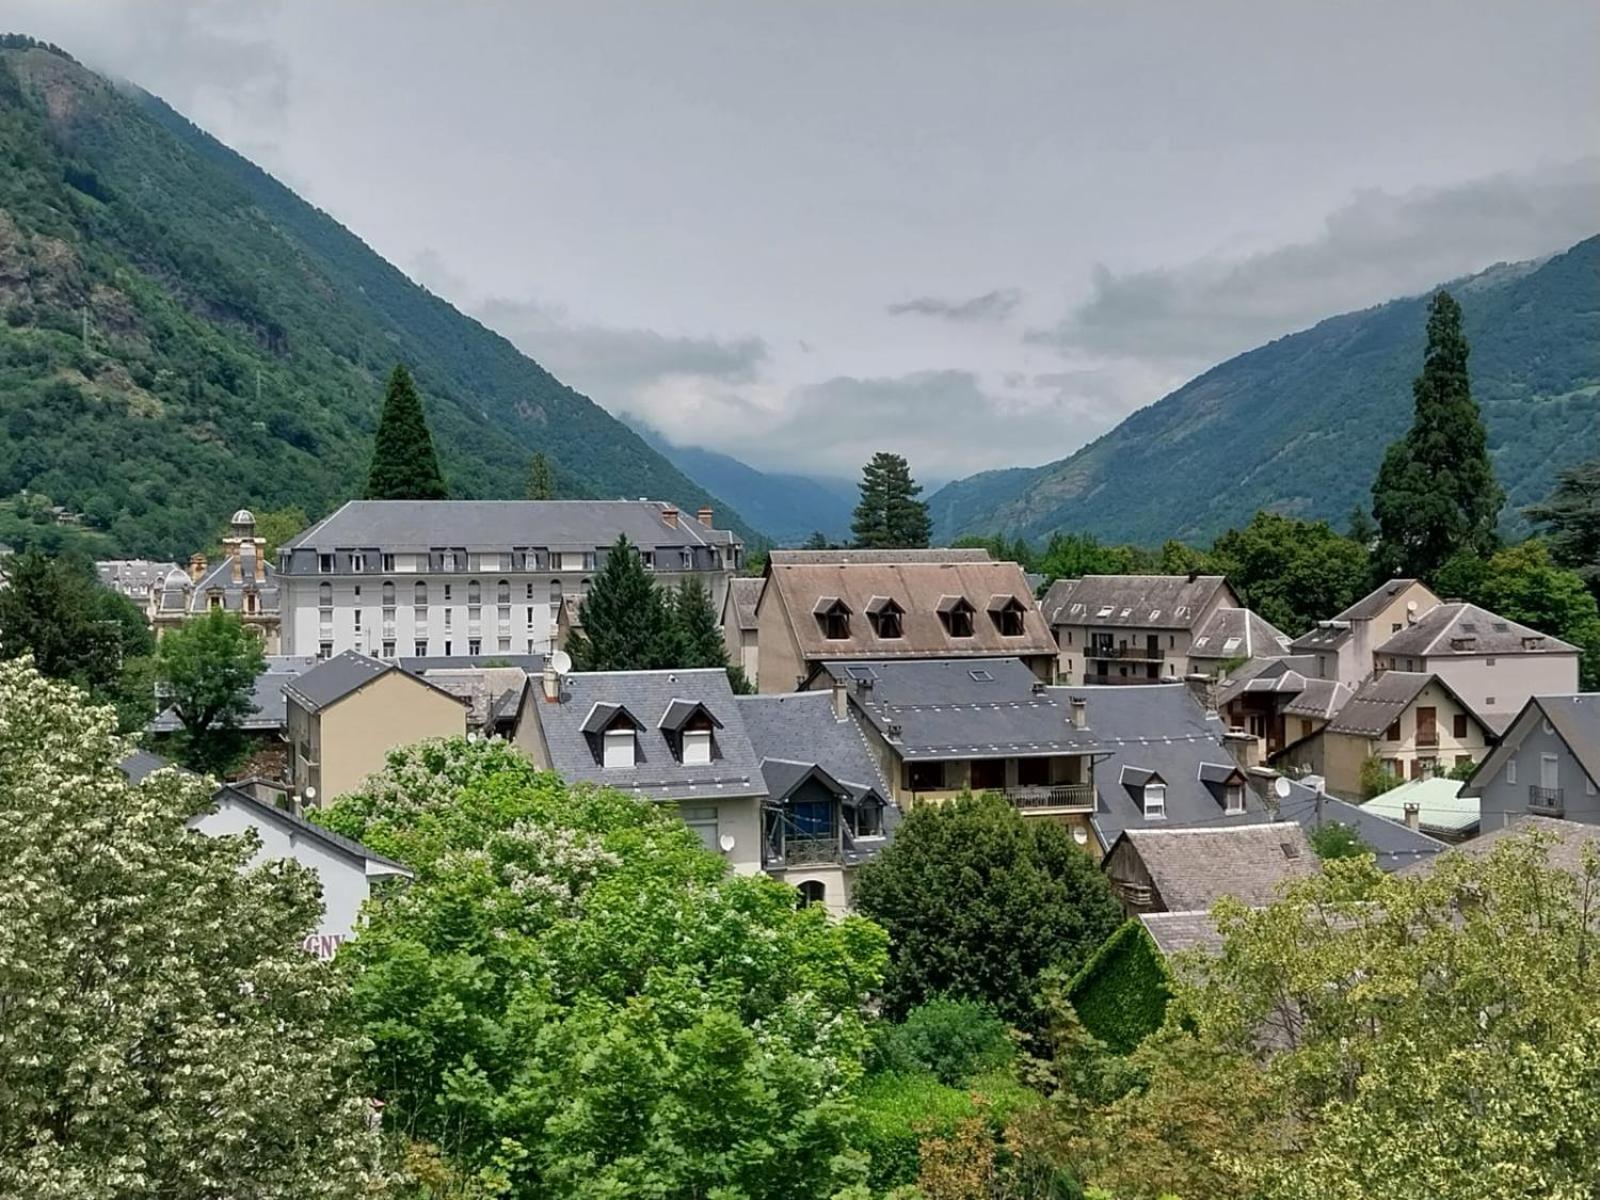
1335, 839
576, 999
207, 668
404, 466
1360, 528
1001, 548
541, 479
76, 630
1436, 493
952, 1040
817, 541
1571, 517
275, 526
1522, 583
1337, 1026
1376, 778
889, 515
955, 875
1073, 555
165, 1035
627, 622
1291, 572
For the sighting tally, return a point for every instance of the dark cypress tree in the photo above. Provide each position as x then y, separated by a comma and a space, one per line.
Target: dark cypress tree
627, 624
541, 479
1436, 493
403, 463
889, 515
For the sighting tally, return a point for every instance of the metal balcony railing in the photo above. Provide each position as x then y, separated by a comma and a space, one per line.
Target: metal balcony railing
1055, 795
1548, 801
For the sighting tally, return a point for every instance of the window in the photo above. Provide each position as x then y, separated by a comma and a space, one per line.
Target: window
1008, 619
1155, 802
530, 616
447, 562
388, 650
1234, 798
358, 563
358, 620
886, 619
1458, 726
388, 561
957, 616
449, 615
834, 621
988, 774
325, 595
1463, 760
447, 593
1172, 641
504, 646
503, 592
1392, 734
530, 592
1394, 627
703, 820
812, 891
388, 594
619, 746
215, 600
325, 650
420, 649
696, 747
555, 592
474, 592
325, 564
474, 646
421, 594
1488, 662
1069, 637
649, 558
1511, 770
925, 776
1427, 725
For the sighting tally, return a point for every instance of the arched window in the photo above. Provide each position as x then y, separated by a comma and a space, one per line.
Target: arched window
388, 593
503, 591
325, 595
422, 594
812, 891
474, 593
555, 592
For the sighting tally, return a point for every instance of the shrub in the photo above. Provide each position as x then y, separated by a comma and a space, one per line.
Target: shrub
897, 1112
952, 1040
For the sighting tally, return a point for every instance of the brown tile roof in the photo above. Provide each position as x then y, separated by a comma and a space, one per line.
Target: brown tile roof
1143, 601
1379, 702
817, 558
1193, 868
918, 588
743, 594
1467, 630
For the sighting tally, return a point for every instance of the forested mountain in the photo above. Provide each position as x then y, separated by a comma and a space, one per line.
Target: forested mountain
787, 508
180, 334
1300, 424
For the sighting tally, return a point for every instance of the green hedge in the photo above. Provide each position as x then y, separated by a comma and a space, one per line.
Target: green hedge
1121, 993
897, 1110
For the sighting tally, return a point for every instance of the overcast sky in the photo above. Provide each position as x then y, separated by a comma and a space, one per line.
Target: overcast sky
979, 234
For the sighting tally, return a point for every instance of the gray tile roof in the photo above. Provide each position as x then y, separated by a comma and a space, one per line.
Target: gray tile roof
1375, 601
1135, 601
800, 727
1321, 698
331, 681
1176, 931
939, 709
1238, 633
743, 593
1285, 674
407, 526
1566, 852
182, 595
1576, 720
1193, 868
491, 693
1467, 630
134, 577
267, 707
657, 774
334, 841
1379, 701
141, 763
813, 558
1393, 845
1160, 728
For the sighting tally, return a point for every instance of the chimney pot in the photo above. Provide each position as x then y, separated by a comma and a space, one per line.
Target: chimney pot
551, 683
669, 514
705, 515
1413, 815
197, 566
841, 700
1080, 712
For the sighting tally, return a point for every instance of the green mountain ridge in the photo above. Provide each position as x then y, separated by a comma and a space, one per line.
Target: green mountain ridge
1300, 424
181, 334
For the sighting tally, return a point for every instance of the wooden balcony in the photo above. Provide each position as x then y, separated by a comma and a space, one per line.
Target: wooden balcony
1545, 801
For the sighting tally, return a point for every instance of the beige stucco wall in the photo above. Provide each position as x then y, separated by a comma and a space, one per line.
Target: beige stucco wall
1506, 686
358, 732
778, 653
838, 884
1343, 754
1173, 645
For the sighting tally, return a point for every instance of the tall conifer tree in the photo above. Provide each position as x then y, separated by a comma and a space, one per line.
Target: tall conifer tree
1436, 493
700, 641
404, 466
627, 624
541, 479
889, 515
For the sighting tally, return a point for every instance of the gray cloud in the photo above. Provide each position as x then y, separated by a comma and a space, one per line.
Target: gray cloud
1376, 247
992, 306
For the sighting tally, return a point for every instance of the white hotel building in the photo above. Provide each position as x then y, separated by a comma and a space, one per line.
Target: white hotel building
424, 578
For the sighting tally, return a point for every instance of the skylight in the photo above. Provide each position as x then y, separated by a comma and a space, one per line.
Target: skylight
1107, 610
981, 676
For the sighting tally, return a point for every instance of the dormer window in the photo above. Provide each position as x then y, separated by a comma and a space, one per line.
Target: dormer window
956, 614
1008, 614
1155, 801
689, 729
1234, 799
620, 745
696, 747
833, 618
1146, 789
613, 735
887, 617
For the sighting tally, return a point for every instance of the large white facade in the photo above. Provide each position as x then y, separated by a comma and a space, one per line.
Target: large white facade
405, 579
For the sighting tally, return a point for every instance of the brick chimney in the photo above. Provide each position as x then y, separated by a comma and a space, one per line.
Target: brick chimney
705, 515
1244, 746
669, 514
197, 566
550, 682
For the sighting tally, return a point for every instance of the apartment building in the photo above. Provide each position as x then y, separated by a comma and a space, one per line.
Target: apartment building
1342, 647
1130, 629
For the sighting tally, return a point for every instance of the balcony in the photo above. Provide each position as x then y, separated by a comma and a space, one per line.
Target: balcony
1056, 797
1545, 801
798, 850
1093, 679
1428, 739
1139, 653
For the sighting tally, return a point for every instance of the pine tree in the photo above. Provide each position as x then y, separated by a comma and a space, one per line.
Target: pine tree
1436, 493
627, 623
700, 641
889, 515
403, 463
541, 479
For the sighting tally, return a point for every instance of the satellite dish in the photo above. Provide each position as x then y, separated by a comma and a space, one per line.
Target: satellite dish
726, 842
1411, 606
1281, 788
1080, 835
311, 795
561, 661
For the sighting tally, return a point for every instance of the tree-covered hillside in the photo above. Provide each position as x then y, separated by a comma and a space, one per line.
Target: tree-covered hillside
1300, 425
180, 334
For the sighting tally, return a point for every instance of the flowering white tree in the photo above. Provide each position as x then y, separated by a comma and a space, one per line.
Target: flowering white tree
161, 1033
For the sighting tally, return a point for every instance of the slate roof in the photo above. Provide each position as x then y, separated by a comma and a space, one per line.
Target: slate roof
918, 587
1575, 718
267, 711
491, 693
1379, 702
141, 763
800, 727
1136, 601
407, 526
1394, 846
134, 577
814, 558
1176, 931
932, 710
1375, 601
1320, 698
1565, 853
195, 596
1441, 807
1194, 868
1465, 630
743, 593
1159, 727
344, 674
1285, 674
1238, 633
657, 774
349, 847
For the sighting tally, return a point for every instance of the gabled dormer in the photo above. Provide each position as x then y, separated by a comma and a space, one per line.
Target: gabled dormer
833, 618
613, 735
1226, 783
689, 728
887, 618
1148, 790
1008, 614
956, 613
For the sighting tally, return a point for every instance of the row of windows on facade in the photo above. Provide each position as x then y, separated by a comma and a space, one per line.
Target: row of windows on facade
450, 561
1428, 727
420, 593
888, 620
419, 648
1105, 644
